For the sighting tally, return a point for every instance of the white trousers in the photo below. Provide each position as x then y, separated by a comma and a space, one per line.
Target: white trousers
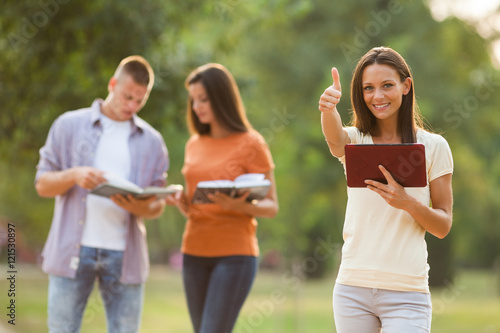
367, 310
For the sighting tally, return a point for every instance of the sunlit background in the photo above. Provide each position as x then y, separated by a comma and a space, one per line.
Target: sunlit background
479, 13
58, 55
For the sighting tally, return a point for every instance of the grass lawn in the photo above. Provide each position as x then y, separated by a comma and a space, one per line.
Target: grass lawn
279, 302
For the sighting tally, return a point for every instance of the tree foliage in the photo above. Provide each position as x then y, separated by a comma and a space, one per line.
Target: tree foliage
58, 56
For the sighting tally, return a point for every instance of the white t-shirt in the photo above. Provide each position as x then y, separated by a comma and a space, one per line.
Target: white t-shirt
384, 247
105, 225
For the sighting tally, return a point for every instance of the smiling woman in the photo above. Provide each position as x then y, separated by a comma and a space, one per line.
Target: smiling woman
385, 74
383, 92
384, 256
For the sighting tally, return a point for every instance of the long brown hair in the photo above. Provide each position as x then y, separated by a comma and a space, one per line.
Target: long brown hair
224, 97
409, 117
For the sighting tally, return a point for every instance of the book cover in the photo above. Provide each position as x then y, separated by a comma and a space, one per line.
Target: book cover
405, 162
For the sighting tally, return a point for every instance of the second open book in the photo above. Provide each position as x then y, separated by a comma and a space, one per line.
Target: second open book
255, 183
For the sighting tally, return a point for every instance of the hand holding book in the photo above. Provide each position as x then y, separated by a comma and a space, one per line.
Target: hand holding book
116, 185
254, 183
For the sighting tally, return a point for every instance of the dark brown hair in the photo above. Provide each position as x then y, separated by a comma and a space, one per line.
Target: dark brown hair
224, 97
138, 68
409, 117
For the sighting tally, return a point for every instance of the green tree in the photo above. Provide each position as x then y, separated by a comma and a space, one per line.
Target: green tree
58, 56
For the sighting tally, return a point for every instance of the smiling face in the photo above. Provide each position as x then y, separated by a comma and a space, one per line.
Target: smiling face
201, 103
125, 98
383, 91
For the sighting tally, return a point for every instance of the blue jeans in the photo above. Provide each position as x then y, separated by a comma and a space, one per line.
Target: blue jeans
68, 297
216, 288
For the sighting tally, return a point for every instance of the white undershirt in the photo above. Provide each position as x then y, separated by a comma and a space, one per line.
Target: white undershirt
105, 225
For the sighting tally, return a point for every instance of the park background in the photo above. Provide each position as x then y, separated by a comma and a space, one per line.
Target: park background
58, 55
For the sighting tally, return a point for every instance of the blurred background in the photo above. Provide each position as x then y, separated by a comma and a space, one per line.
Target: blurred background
58, 55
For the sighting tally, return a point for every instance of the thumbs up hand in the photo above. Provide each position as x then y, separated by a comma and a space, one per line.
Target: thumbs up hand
331, 97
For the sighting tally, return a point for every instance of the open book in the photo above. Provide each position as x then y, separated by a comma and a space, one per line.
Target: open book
117, 185
255, 183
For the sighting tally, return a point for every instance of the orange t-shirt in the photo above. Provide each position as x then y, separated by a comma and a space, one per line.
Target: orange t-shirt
211, 231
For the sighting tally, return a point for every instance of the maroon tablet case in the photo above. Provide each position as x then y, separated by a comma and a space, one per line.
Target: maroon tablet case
405, 162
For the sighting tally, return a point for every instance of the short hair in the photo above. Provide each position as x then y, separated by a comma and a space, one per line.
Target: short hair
138, 68
409, 117
224, 97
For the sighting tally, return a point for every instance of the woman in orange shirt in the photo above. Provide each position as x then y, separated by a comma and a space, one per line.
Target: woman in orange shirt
220, 248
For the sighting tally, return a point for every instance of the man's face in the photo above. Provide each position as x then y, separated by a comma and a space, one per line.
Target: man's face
126, 98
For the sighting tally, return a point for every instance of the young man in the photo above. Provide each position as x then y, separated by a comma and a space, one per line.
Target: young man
96, 238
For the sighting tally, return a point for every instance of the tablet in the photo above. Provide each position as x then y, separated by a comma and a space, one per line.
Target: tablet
405, 162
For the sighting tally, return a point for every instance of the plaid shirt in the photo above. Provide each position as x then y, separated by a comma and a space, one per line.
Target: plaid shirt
72, 142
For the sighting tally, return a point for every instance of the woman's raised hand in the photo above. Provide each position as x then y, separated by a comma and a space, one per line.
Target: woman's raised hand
331, 97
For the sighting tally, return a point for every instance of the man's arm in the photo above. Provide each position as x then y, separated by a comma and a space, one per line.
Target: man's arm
53, 183
149, 208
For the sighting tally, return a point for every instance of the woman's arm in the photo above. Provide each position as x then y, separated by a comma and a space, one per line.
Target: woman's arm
179, 199
436, 219
331, 123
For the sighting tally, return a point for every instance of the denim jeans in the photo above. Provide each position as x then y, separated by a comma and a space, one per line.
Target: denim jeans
68, 298
216, 288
